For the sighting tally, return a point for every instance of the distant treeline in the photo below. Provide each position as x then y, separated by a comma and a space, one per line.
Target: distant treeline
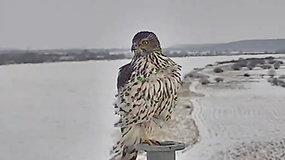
21, 56
211, 53
35, 57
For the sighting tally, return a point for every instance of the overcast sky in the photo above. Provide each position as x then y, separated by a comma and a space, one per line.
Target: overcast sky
38, 24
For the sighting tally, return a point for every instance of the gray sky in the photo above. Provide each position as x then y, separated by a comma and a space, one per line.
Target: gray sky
38, 24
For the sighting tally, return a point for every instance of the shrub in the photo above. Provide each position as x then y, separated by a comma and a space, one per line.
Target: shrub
262, 75
282, 83
276, 65
282, 76
266, 66
218, 70
246, 75
195, 74
271, 73
204, 80
219, 79
275, 81
242, 62
191, 74
236, 66
272, 80
251, 65
271, 61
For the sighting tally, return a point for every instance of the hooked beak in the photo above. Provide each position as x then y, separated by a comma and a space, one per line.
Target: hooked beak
134, 47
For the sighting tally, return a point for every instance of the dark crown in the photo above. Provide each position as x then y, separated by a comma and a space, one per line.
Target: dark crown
145, 34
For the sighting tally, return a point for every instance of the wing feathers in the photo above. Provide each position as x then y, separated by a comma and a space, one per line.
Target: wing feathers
144, 99
124, 75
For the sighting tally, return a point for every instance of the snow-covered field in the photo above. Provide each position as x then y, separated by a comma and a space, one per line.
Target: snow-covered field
240, 118
63, 111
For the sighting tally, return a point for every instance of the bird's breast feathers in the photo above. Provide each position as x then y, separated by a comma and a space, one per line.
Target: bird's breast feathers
150, 92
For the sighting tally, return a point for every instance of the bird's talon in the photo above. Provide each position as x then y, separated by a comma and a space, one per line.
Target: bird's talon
152, 142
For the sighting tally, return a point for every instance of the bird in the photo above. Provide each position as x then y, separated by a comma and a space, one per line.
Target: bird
147, 94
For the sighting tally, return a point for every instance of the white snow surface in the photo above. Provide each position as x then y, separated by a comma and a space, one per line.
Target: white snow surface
240, 119
64, 111
227, 118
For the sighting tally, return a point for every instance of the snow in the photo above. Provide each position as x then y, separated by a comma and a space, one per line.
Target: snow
226, 117
57, 111
241, 119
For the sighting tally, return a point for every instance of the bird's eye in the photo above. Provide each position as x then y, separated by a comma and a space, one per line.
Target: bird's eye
145, 42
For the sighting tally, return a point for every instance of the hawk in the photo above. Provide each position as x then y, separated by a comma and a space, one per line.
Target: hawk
147, 94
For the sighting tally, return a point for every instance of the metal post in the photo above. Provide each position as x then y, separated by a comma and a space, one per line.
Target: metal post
164, 151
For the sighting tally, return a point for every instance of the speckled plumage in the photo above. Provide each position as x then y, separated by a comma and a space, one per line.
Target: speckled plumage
147, 92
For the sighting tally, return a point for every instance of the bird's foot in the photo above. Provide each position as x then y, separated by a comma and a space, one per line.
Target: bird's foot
151, 142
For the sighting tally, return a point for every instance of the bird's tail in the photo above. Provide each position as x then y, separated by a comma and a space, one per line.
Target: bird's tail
125, 149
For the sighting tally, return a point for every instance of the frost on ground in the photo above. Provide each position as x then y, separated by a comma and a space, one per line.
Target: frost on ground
272, 150
240, 117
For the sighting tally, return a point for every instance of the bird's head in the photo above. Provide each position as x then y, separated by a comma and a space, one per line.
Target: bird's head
145, 42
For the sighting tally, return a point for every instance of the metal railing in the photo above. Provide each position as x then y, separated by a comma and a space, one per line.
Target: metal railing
165, 151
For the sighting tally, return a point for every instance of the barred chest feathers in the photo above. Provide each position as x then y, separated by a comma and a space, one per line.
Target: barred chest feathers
155, 80
154, 65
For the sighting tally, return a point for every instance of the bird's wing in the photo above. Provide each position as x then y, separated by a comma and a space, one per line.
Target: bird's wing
133, 105
124, 75
141, 100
